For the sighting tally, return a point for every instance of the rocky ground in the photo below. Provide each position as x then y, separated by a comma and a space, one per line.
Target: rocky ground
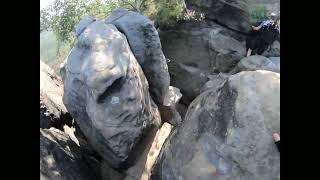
137, 103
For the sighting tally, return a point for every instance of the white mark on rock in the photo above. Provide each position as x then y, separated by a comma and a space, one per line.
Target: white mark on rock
114, 100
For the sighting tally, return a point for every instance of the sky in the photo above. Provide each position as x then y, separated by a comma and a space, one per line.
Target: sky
45, 3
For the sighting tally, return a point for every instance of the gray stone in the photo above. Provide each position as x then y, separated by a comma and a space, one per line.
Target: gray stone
84, 22
188, 79
256, 62
233, 14
62, 159
215, 82
106, 92
193, 44
226, 51
273, 50
145, 44
169, 111
275, 61
172, 97
53, 113
227, 134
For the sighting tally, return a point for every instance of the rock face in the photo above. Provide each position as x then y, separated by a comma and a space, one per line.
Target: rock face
227, 133
145, 44
195, 53
276, 61
226, 51
273, 50
61, 158
197, 44
169, 111
85, 21
215, 82
106, 92
188, 79
257, 62
53, 113
232, 13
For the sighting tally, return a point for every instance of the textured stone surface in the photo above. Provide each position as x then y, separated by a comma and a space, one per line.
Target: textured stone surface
145, 44
53, 113
273, 50
227, 134
256, 62
107, 93
62, 159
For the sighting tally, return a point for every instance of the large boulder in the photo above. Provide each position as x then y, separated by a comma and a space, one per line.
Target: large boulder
106, 92
53, 113
233, 14
227, 133
61, 158
194, 53
200, 44
226, 51
256, 62
145, 44
81, 26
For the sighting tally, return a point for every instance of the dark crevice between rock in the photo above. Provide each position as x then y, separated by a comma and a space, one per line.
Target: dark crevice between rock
142, 145
115, 87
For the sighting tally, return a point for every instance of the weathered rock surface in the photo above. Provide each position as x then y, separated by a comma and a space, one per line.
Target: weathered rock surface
276, 61
107, 93
53, 113
227, 134
273, 50
188, 79
61, 158
215, 82
169, 111
193, 44
233, 14
226, 51
84, 22
145, 44
172, 97
256, 62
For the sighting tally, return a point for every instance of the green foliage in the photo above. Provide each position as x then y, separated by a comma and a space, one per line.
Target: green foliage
62, 16
259, 13
164, 12
58, 21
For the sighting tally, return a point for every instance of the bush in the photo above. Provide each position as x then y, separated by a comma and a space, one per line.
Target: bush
258, 13
164, 12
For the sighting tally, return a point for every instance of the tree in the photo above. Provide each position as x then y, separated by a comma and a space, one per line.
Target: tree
164, 12
62, 16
